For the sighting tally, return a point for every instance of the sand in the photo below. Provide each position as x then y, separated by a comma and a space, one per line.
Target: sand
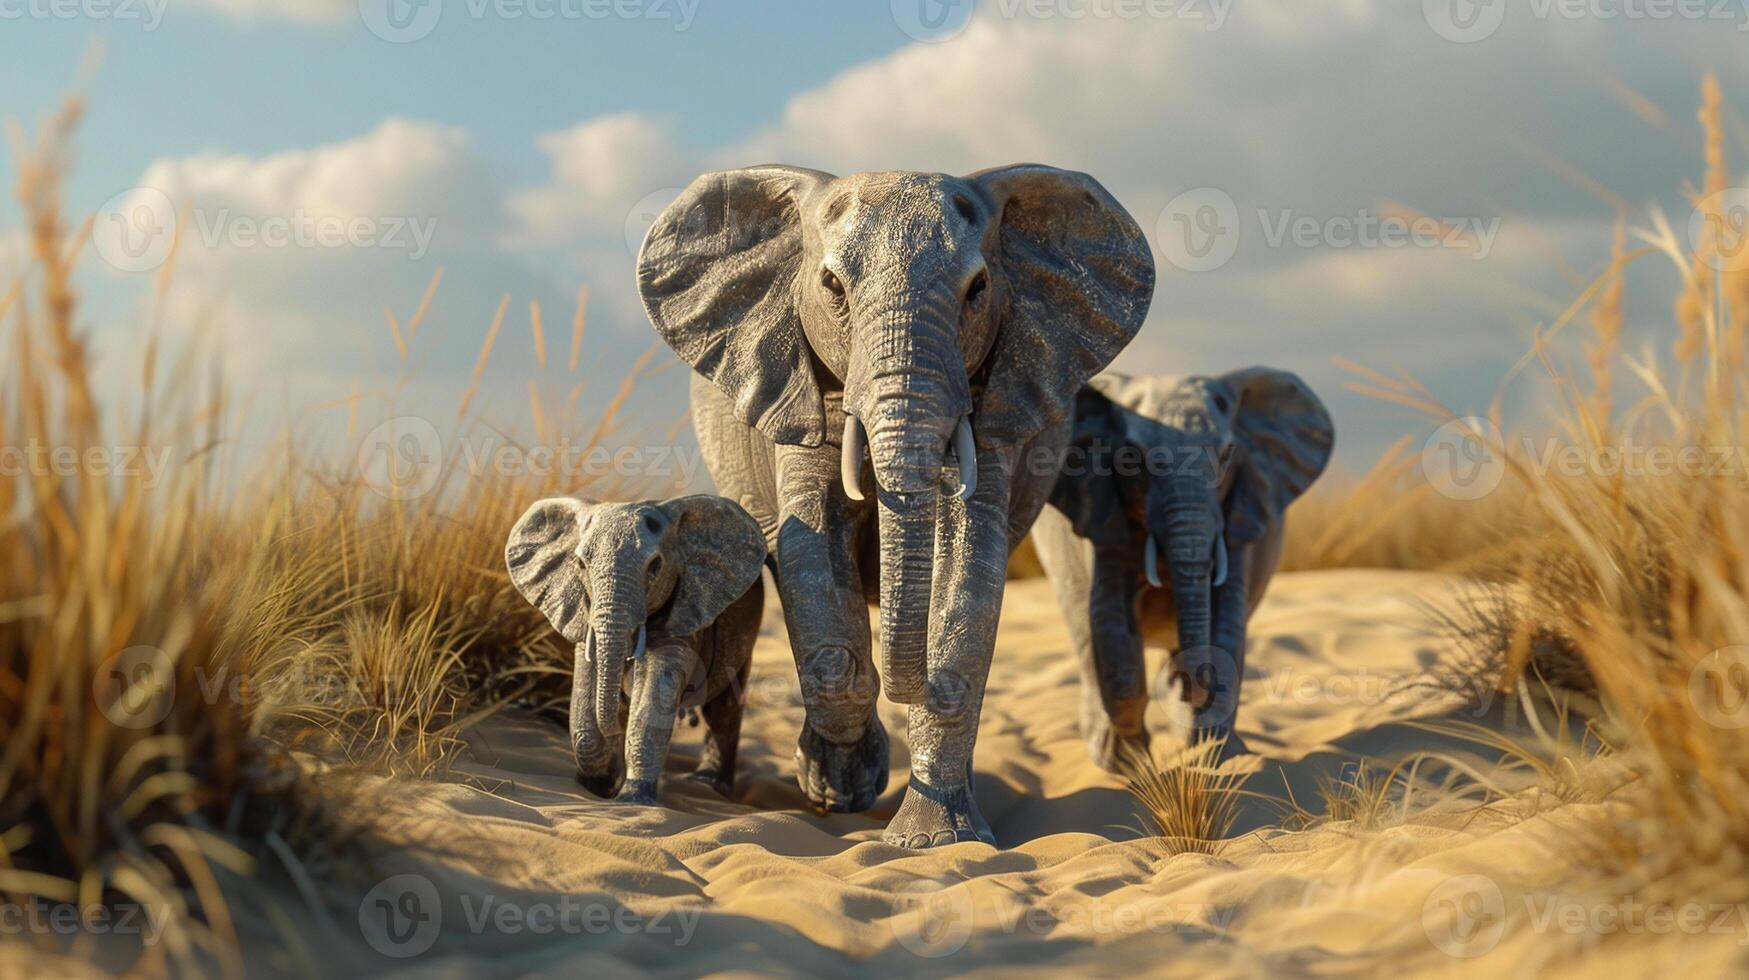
542, 878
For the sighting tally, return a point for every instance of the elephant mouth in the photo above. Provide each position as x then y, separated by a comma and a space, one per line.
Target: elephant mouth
855, 450
1151, 562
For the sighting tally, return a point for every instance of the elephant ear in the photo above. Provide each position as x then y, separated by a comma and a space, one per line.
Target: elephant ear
1079, 276
717, 275
723, 550
1285, 437
544, 565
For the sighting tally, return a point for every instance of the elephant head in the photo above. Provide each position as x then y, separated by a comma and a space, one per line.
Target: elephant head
605, 574
1188, 469
962, 310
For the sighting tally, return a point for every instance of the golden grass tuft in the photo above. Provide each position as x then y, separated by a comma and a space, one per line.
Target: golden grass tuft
1189, 804
122, 783
170, 646
1629, 584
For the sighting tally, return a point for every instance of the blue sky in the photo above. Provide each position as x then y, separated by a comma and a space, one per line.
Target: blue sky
529, 144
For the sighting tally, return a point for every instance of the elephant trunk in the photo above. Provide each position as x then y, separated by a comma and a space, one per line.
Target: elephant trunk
908, 388
1190, 535
617, 622
593, 751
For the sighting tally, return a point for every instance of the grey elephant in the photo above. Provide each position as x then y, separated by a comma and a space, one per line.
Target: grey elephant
930, 328
1165, 528
667, 592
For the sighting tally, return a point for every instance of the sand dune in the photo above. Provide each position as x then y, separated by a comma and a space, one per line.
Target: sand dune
539, 877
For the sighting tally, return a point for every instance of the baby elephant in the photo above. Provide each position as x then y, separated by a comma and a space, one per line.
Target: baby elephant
1165, 526
667, 592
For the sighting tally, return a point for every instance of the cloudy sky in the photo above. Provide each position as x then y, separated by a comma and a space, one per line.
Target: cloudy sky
523, 145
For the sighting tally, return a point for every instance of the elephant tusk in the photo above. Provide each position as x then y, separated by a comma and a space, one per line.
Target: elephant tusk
1220, 561
1151, 563
638, 647
967, 450
850, 463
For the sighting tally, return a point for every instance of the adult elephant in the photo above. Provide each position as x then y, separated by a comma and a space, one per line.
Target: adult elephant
892, 313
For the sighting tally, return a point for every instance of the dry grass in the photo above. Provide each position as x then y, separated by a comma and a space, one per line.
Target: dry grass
1633, 583
1189, 804
121, 783
166, 645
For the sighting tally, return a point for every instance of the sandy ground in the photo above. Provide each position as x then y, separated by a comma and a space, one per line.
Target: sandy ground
543, 879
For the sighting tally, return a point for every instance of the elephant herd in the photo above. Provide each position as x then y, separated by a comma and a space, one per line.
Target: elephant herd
894, 378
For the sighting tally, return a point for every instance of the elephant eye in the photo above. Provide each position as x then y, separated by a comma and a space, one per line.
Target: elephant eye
832, 283
1221, 403
977, 290
655, 565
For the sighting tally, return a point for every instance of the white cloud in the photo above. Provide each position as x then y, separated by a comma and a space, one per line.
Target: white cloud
601, 169
1327, 116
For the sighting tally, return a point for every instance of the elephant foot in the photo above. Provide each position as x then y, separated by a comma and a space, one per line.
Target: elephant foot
638, 794
843, 777
932, 817
602, 780
722, 782
1111, 749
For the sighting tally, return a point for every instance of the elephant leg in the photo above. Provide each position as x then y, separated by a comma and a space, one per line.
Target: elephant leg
972, 563
730, 641
1119, 662
658, 679
1068, 561
722, 737
841, 753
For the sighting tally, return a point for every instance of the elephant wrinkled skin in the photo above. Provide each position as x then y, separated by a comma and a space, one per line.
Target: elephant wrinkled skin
1190, 476
881, 361
666, 592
